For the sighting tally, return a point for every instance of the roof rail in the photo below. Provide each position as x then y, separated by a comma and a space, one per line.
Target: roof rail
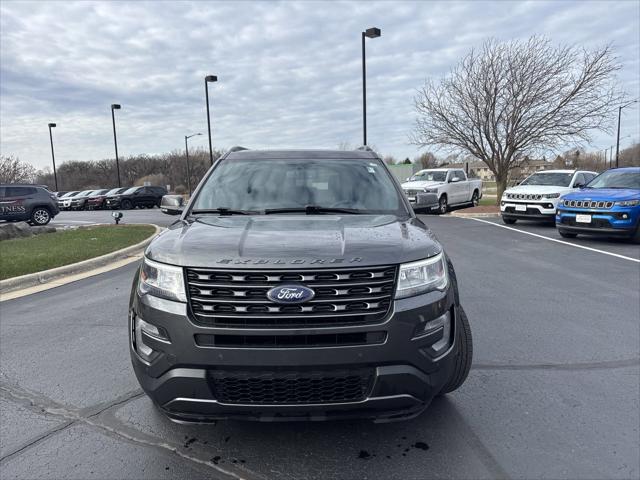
237, 148
365, 148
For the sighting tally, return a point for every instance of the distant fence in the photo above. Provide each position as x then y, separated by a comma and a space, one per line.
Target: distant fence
403, 171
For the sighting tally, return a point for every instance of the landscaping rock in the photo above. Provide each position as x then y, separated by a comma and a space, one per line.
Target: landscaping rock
11, 230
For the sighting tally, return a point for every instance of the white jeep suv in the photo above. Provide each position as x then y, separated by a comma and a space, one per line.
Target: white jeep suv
536, 198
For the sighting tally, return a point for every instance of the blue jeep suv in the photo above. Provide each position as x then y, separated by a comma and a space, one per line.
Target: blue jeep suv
608, 205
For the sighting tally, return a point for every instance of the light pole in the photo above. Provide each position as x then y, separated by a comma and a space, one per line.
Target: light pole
115, 106
186, 149
53, 157
372, 32
618, 137
207, 79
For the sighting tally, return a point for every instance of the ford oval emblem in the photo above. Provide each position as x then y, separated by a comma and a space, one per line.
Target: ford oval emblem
290, 294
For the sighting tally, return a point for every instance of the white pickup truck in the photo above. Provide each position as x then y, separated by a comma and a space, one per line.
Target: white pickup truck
451, 186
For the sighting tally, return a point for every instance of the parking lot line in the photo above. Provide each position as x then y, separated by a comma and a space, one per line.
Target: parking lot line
557, 240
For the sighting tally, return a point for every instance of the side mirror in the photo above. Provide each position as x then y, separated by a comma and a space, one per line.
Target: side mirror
454, 180
578, 185
172, 204
408, 179
426, 200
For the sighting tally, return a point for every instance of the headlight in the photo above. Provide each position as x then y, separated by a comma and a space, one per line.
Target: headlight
551, 195
160, 280
628, 203
430, 190
422, 276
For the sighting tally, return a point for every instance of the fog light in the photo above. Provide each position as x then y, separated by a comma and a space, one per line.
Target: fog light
144, 350
625, 216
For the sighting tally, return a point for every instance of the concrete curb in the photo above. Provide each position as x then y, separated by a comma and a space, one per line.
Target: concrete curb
468, 215
46, 276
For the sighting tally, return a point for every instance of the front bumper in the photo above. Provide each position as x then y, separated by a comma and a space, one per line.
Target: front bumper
543, 210
406, 374
112, 202
616, 221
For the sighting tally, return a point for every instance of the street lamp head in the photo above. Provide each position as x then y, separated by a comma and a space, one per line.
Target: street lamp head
51, 125
372, 32
115, 106
211, 78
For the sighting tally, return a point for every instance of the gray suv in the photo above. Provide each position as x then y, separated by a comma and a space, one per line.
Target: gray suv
31, 203
297, 285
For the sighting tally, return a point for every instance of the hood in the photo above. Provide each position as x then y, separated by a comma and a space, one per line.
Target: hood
294, 241
538, 189
421, 184
603, 194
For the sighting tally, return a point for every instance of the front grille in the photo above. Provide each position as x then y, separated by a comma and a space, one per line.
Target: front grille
238, 298
290, 387
291, 341
587, 204
412, 192
524, 196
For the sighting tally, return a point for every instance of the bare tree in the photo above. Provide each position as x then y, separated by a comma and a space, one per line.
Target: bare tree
12, 170
427, 160
516, 99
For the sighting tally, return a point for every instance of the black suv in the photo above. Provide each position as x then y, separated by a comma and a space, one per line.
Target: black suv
31, 203
141, 197
297, 285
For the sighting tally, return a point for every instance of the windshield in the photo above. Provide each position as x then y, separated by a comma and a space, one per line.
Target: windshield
257, 185
97, 193
616, 179
115, 191
68, 194
556, 179
429, 176
85, 193
130, 190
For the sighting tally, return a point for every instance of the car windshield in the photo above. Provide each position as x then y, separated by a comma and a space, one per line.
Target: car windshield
259, 185
616, 179
85, 193
429, 176
114, 191
69, 194
556, 179
97, 193
130, 190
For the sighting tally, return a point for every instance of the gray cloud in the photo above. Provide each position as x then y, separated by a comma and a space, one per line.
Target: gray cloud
289, 72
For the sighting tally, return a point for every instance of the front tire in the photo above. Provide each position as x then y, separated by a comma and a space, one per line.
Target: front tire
443, 206
127, 205
462, 362
509, 221
40, 216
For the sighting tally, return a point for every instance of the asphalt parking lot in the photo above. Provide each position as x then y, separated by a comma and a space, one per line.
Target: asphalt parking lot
553, 391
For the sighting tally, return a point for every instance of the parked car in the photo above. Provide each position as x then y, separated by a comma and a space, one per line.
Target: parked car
608, 205
296, 285
78, 202
537, 196
451, 186
31, 203
137, 197
64, 202
96, 200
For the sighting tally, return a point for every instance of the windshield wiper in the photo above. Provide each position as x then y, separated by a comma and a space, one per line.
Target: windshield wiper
223, 211
312, 209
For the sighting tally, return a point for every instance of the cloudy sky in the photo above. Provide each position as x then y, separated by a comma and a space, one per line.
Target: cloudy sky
289, 72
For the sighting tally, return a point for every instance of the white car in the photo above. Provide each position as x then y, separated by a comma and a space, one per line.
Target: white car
450, 185
537, 197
